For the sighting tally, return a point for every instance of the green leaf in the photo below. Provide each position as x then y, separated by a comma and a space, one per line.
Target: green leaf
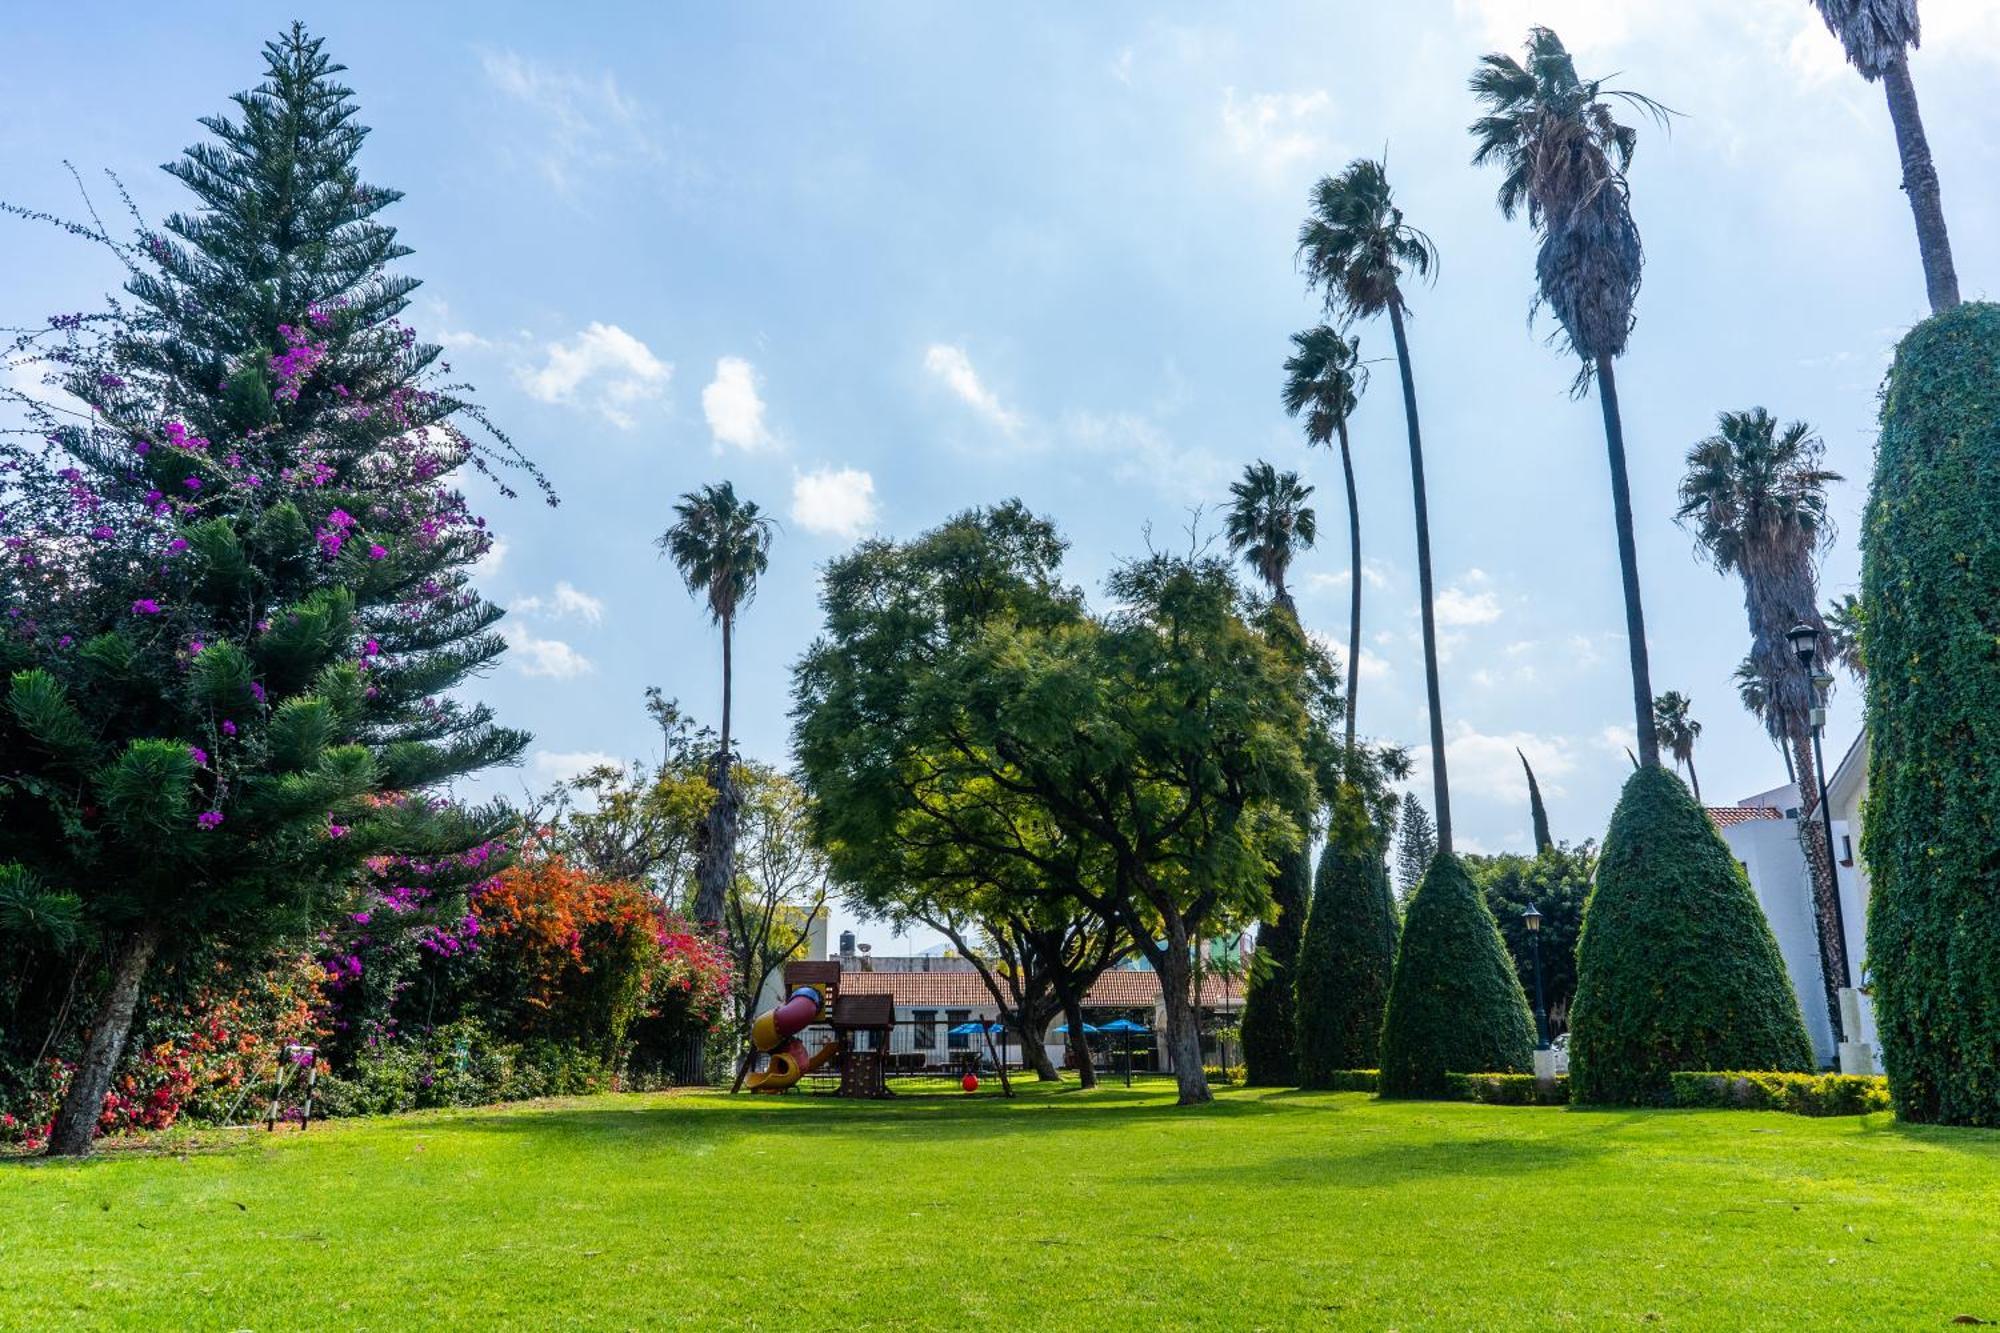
43, 708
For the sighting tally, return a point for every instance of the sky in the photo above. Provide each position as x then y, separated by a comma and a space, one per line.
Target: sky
878, 263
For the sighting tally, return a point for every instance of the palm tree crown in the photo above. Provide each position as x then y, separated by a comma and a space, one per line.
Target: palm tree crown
1678, 731
721, 544
1875, 33
1269, 522
1355, 245
1565, 156
1324, 378
1845, 622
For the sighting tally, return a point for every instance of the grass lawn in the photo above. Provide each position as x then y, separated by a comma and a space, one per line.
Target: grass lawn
1055, 1211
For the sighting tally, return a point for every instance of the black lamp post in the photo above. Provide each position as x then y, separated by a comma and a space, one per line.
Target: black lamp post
1805, 646
1532, 919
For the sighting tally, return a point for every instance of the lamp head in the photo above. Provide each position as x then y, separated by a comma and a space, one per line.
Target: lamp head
1532, 918
1805, 644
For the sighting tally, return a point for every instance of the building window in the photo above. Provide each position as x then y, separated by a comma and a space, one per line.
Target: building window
1846, 850
925, 1035
958, 1041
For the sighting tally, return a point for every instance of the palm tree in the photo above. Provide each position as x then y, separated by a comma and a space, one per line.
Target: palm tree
1269, 522
720, 544
1844, 623
1755, 499
1323, 379
1878, 35
1756, 697
1678, 732
1356, 249
1565, 157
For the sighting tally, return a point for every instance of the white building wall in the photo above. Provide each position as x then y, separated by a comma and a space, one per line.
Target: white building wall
1769, 849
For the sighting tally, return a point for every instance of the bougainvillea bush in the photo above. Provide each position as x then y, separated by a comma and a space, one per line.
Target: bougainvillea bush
234, 569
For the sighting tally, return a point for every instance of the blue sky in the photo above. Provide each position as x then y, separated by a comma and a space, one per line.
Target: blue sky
878, 263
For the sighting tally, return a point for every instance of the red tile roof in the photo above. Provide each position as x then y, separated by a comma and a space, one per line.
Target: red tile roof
1724, 816
964, 990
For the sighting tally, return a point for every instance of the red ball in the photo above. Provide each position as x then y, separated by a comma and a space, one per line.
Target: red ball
970, 1083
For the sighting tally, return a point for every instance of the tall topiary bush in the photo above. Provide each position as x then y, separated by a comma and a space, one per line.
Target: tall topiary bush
1677, 968
1931, 582
1342, 975
1455, 1005
1268, 1057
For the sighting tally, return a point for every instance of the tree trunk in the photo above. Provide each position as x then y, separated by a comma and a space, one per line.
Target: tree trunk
1819, 860
1695, 779
1354, 591
1628, 564
1183, 1021
1441, 787
76, 1122
1920, 182
1034, 1051
1079, 1043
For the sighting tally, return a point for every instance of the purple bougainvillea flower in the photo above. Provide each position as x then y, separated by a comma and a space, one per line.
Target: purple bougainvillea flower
145, 606
228, 727
378, 553
199, 755
208, 819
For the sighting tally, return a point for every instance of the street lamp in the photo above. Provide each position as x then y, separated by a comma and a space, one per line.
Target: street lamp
1532, 919
1805, 646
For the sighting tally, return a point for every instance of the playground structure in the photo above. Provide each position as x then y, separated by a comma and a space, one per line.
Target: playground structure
851, 1045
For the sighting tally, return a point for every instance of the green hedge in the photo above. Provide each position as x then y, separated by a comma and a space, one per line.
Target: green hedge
1341, 978
458, 1065
1676, 967
1930, 580
1352, 1080
1799, 1094
1508, 1089
1454, 1002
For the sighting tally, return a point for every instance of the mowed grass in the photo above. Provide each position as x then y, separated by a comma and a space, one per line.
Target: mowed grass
1058, 1210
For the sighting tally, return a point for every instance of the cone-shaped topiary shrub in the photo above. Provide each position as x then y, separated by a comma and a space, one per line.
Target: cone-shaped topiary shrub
1930, 577
1267, 1009
1676, 968
1455, 1005
1342, 974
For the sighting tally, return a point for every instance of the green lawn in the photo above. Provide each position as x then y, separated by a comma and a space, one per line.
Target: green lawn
1055, 1211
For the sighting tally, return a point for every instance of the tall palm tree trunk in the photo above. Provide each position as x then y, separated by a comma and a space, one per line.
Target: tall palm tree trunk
1441, 788
1920, 182
1354, 590
1628, 564
1819, 861
1694, 779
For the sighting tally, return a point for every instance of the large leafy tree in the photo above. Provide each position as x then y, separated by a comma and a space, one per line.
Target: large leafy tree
1557, 881
1930, 580
1679, 731
1356, 250
1754, 497
1878, 36
1267, 523
1323, 383
238, 571
1147, 762
721, 545
1564, 154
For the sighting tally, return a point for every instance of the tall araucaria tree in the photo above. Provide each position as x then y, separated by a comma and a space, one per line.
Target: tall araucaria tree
1878, 36
236, 571
1323, 381
721, 544
1356, 250
1565, 156
1754, 497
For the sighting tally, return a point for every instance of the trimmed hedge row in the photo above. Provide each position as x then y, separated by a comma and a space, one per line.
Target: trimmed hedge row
1507, 1089
1798, 1094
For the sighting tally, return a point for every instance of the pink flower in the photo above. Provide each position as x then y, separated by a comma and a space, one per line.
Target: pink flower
378, 553
208, 819
192, 483
334, 830
200, 757
145, 606
228, 727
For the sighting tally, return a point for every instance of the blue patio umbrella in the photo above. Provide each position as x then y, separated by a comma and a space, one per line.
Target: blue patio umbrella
975, 1029
1088, 1029
1125, 1026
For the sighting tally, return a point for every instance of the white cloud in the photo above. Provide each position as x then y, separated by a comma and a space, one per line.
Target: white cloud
603, 367
1141, 452
1373, 573
1275, 132
1458, 606
566, 601
550, 659
589, 122
951, 365
834, 502
564, 765
734, 411
1374, 667
489, 564
1487, 765
1620, 740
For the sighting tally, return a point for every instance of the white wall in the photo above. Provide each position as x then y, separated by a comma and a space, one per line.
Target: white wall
1769, 849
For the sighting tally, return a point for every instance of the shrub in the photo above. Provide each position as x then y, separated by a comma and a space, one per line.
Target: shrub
1269, 1033
1223, 1075
1557, 881
1507, 1089
1342, 974
1930, 575
1455, 1002
1676, 967
1764, 1090
1352, 1080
